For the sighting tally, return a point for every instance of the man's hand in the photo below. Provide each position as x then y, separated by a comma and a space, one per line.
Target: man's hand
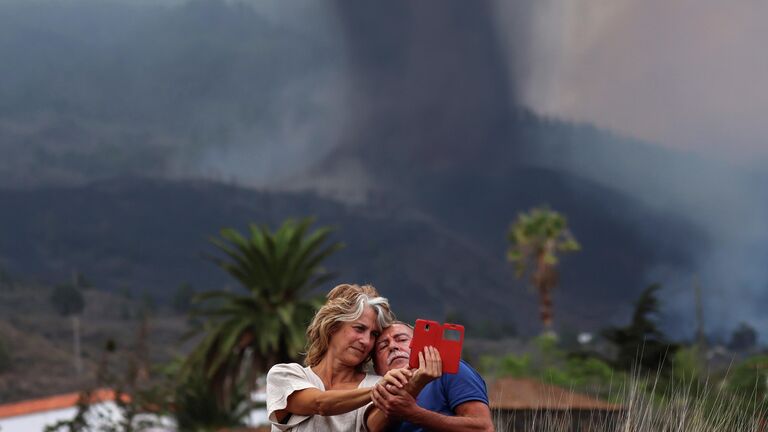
394, 402
430, 368
394, 398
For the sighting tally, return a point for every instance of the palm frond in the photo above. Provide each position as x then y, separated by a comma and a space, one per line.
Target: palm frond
277, 269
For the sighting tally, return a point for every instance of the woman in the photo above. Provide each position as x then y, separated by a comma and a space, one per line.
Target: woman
332, 391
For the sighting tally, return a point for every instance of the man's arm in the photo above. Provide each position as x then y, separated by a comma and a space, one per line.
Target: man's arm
470, 415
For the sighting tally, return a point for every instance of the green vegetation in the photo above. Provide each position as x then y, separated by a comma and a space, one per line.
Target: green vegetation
641, 343
244, 331
547, 362
251, 331
749, 378
536, 239
744, 338
681, 395
134, 397
195, 407
663, 386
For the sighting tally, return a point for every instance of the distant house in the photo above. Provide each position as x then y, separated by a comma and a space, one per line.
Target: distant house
530, 405
35, 415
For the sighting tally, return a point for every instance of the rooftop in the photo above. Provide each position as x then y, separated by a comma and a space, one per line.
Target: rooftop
530, 394
63, 401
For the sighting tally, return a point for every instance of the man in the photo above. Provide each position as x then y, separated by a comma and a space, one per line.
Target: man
452, 402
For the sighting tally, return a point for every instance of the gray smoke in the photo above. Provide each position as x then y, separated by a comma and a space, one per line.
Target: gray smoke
251, 92
685, 75
257, 92
307, 114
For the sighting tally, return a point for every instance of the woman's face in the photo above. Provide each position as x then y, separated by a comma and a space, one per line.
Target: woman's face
354, 340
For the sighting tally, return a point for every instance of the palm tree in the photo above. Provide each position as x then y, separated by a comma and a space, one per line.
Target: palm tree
252, 330
536, 238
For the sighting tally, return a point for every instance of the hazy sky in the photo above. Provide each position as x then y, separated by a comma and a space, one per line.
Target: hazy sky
691, 74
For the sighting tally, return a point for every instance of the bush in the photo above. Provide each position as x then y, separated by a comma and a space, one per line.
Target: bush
690, 398
583, 371
676, 409
748, 378
549, 364
515, 366
744, 338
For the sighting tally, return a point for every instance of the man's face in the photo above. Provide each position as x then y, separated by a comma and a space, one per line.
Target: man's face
392, 348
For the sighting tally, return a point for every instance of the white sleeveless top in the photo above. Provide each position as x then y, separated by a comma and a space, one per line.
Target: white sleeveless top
285, 378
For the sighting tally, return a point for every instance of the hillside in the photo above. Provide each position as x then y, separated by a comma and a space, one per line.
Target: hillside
417, 147
150, 236
39, 341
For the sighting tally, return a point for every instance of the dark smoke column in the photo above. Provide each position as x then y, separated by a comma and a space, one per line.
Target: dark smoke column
430, 89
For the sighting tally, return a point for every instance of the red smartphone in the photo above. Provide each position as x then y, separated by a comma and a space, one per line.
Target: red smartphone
447, 338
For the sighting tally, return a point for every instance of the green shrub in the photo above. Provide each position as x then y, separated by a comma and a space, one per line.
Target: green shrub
582, 371
515, 366
748, 379
687, 364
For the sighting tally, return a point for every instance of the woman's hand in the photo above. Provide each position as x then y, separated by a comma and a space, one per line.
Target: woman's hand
430, 367
394, 403
396, 377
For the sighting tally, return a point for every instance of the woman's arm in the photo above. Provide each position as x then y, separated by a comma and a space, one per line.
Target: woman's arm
326, 403
311, 401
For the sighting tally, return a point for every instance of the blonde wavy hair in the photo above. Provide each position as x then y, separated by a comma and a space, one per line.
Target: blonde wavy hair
344, 303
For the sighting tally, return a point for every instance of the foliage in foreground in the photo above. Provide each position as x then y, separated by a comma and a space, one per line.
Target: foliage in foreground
551, 365
129, 412
677, 410
140, 405
188, 400
247, 332
682, 395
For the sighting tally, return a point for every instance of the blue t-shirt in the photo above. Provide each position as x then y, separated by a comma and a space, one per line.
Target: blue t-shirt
444, 394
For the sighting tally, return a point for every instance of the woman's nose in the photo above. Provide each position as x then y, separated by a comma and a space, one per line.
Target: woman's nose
366, 338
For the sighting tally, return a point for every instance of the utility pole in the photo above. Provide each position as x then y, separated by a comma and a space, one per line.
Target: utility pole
78, 351
76, 328
701, 339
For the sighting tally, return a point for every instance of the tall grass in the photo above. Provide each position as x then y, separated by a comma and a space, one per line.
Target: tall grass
645, 407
